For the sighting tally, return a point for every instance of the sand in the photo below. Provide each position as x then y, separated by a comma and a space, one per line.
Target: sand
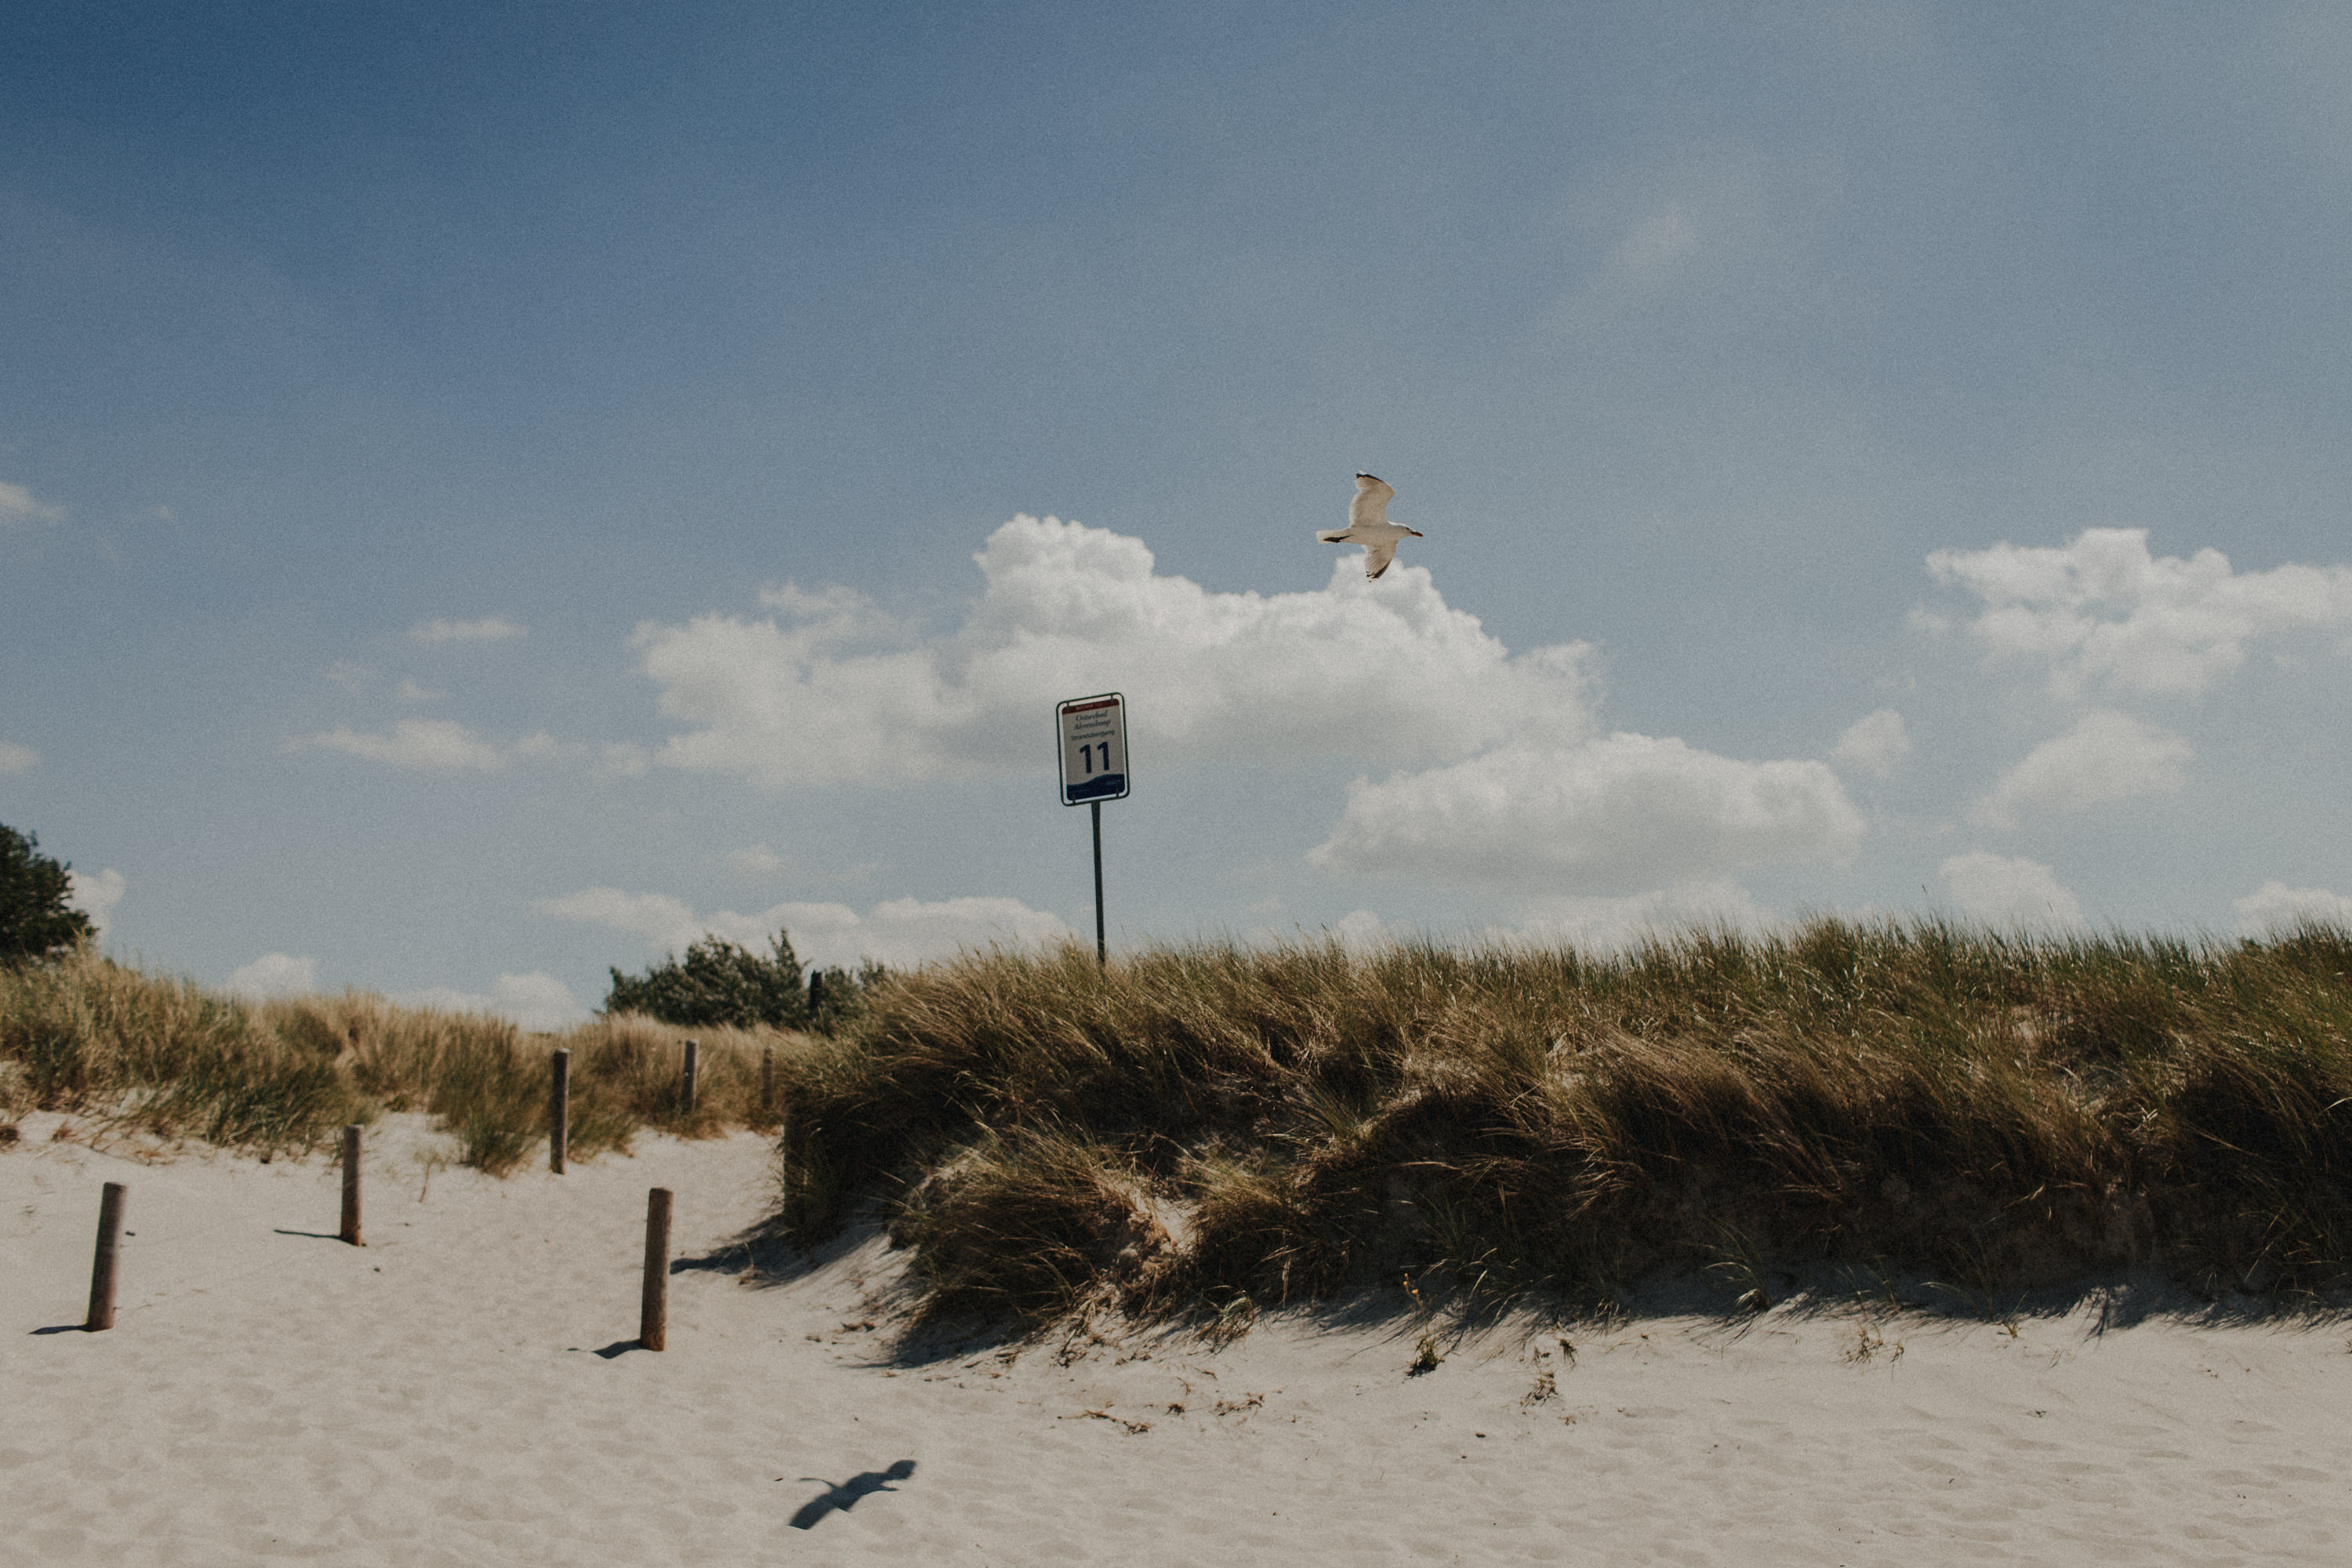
463, 1391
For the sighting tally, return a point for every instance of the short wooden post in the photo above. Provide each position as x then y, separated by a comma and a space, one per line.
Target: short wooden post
559, 1110
653, 1311
767, 1080
352, 1185
687, 1079
109, 1251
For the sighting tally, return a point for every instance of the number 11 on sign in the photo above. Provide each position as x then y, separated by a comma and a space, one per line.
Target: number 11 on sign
1093, 770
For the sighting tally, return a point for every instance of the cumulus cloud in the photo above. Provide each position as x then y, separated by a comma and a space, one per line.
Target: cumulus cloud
1874, 743
2108, 756
2275, 907
17, 759
275, 974
534, 1000
900, 932
2008, 892
489, 629
95, 895
1625, 810
1612, 925
18, 509
2102, 609
435, 743
758, 861
828, 691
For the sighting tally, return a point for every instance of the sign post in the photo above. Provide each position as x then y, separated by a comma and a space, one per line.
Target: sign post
1093, 770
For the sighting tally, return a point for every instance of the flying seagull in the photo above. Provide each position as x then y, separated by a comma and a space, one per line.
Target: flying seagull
1369, 525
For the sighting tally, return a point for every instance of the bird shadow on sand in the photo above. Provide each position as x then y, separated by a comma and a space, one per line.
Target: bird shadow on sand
843, 1496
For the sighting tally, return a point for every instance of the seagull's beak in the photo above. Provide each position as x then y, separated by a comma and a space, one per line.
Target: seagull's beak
1416, 533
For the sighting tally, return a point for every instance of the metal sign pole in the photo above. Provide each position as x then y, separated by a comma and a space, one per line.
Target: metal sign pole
1102, 948
1093, 770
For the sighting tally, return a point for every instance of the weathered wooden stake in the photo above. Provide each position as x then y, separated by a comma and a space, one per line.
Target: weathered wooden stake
110, 1250
687, 1079
653, 1311
352, 1185
767, 1080
559, 1110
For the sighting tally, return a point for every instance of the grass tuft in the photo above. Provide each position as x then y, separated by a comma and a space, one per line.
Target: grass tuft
167, 1058
1202, 1125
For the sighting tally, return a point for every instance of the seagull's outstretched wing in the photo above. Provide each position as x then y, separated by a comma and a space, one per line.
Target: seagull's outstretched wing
1377, 556
1370, 507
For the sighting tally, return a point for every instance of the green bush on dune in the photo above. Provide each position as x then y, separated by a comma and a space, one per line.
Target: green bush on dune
35, 919
718, 982
1214, 1124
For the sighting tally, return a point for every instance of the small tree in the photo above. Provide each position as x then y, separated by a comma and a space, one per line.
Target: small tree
716, 983
34, 920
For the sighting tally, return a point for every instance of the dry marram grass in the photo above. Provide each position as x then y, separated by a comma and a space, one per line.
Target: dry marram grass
163, 1056
1208, 1129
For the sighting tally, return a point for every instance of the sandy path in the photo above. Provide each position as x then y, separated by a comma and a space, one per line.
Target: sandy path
437, 1397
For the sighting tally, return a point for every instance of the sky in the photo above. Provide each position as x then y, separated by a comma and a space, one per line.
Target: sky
492, 492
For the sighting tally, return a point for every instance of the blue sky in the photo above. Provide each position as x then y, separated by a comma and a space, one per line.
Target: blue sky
488, 491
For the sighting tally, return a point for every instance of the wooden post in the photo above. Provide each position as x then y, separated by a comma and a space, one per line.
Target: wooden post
686, 1080
352, 1185
652, 1310
110, 1250
767, 1080
559, 1110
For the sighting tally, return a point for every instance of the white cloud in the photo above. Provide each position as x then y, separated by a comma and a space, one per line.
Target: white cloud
489, 629
2108, 756
2275, 907
410, 691
19, 508
1381, 671
1625, 810
533, 1001
625, 760
2103, 609
759, 860
441, 743
95, 895
1874, 743
17, 759
901, 931
1611, 925
275, 974
2008, 893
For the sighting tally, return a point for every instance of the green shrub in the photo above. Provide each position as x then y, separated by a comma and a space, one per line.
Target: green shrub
716, 983
34, 920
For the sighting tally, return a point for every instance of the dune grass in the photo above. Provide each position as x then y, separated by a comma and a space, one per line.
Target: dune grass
163, 1056
1212, 1129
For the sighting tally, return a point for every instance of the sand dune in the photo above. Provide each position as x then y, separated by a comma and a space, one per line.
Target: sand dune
463, 1391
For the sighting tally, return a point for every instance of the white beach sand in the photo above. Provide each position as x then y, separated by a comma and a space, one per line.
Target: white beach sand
437, 1397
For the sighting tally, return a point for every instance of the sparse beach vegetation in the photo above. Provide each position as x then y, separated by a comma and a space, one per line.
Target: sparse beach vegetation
1210, 1131
164, 1058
